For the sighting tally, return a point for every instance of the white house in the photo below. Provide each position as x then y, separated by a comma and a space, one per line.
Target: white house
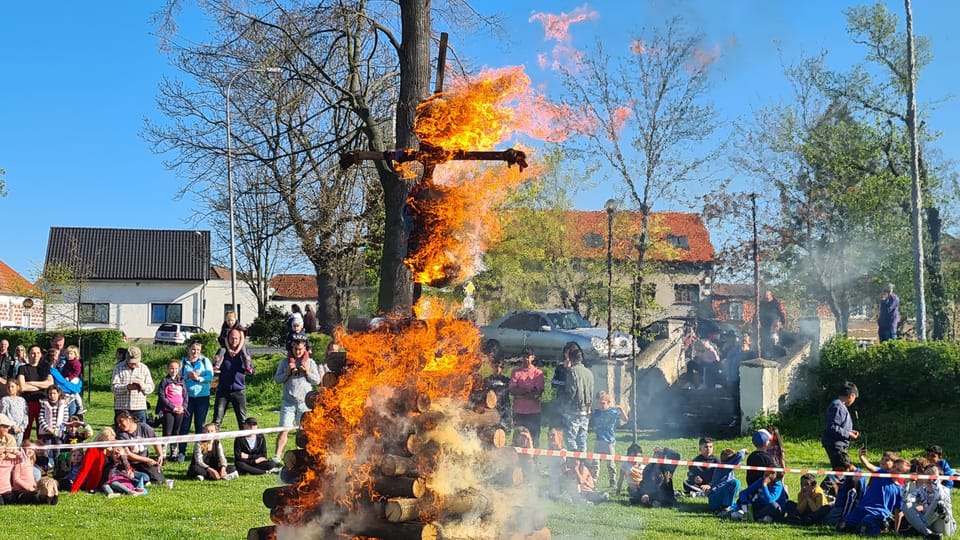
137, 279
21, 303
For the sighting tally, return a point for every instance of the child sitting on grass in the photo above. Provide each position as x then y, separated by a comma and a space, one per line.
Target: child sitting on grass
766, 497
811, 506
656, 487
848, 493
883, 497
928, 508
725, 486
631, 473
209, 461
935, 455
580, 484
699, 478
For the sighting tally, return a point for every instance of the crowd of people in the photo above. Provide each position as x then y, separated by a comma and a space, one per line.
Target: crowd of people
849, 503
41, 406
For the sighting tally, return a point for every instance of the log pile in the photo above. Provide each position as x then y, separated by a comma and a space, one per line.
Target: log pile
413, 488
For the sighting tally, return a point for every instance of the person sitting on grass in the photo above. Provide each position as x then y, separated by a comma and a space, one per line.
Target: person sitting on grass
130, 429
766, 497
811, 506
775, 447
700, 478
209, 461
883, 497
656, 488
759, 457
935, 455
580, 483
250, 452
92, 468
725, 486
631, 473
604, 419
929, 508
849, 491
120, 478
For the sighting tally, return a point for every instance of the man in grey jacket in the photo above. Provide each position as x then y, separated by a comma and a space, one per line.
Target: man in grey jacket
298, 374
578, 393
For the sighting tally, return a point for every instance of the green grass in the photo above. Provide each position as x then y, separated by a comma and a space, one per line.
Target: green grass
214, 510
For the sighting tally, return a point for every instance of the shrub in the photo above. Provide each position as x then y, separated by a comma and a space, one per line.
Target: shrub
897, 371
269, 328
96, 345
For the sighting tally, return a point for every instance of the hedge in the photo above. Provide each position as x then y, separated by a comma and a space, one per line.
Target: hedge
895, 371
96, 344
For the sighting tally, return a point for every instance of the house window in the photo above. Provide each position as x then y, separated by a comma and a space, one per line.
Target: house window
94, 313
166, 313
593, 240
227, 308
679, 241
686, 294
735, 311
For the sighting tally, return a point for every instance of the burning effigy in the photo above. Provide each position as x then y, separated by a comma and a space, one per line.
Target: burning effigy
403, 442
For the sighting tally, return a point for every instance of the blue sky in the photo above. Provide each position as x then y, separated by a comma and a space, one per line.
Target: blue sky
79, 79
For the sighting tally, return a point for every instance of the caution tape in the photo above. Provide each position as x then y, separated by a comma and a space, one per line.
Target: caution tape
706, 465
160, 441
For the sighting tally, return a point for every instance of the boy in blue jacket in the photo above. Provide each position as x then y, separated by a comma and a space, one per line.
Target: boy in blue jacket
725, 486
882, 498
766, 497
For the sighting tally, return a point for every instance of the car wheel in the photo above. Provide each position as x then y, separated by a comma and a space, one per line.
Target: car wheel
493, 350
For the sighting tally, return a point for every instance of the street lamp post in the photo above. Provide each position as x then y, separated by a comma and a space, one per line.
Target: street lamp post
611, 207
233, 221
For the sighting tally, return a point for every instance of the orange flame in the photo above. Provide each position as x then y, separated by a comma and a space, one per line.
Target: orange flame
388, 369
452, 207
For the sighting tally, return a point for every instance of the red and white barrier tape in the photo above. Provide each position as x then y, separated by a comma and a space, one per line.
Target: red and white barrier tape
665, 461
172, 439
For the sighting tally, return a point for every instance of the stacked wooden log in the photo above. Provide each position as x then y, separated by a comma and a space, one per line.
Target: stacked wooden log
416, 485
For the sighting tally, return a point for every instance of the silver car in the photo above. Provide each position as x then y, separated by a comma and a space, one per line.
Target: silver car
547, 331
175, 333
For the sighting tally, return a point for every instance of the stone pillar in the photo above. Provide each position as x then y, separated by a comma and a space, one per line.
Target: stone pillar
616, 379
818, 330
759, 390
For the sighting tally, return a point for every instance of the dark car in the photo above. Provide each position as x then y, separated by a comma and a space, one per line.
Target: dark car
547, 331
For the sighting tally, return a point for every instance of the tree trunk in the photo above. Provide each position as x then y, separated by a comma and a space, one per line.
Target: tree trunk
327, 314
396, 287
935, 283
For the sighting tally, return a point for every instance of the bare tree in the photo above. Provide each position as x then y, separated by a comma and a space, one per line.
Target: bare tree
353, 75
648, 115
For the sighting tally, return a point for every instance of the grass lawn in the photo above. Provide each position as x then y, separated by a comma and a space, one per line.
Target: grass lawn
214, 510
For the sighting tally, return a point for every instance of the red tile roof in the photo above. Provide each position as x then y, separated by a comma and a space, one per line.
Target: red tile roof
661, 226
734, 290
295, 286
14, 284
219, 272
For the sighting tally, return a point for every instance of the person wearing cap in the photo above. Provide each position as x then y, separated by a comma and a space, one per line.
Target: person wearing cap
889, 317
295, 328
298, 375
7, 441
131, 384
250, 452
235, 366
759, 457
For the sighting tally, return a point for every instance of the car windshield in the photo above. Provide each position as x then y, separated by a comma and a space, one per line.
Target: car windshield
568, 320
167, 328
